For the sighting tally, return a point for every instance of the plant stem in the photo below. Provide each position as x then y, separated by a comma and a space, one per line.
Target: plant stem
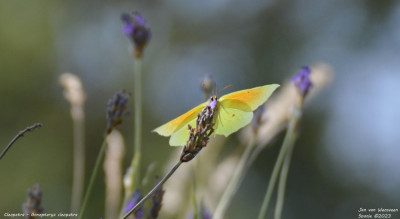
196, 210
283, 178
234, 183
163, 180
138, 119
79, 158
278, 164
19, 135
134, 172
97, 165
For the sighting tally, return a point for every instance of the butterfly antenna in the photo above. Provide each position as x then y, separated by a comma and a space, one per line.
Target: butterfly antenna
227, 86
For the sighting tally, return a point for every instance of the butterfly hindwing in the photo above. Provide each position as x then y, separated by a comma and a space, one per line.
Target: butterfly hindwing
235, 110
229, 119
180, 137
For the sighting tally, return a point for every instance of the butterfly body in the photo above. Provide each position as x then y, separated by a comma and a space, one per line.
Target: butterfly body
231, 112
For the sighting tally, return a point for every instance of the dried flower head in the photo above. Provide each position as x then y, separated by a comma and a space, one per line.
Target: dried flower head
74, 94
113, 160
134, 27
207, 85
200, 135
156, 203
136, 196
33, 202
302, 81
116, 108
73, 88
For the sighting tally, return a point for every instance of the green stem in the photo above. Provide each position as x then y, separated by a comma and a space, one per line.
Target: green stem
138, 119
134, 174
97, 165
278, 164
283, 178
233, 183
166, 177
196, 210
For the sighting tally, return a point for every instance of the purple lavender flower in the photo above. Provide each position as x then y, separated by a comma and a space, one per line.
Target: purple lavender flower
116, 108
156, 203
302, 81
134, 28
136, 196
205, 214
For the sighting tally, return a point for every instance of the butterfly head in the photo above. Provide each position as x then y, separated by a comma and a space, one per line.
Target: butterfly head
213, 102
214, 98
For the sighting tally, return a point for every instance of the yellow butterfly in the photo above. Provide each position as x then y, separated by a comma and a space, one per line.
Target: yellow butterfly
232, 112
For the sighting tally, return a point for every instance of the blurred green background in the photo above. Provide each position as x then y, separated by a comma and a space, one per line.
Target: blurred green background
347, 153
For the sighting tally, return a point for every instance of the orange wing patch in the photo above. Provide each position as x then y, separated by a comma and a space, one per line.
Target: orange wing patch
173, 126
249, 99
